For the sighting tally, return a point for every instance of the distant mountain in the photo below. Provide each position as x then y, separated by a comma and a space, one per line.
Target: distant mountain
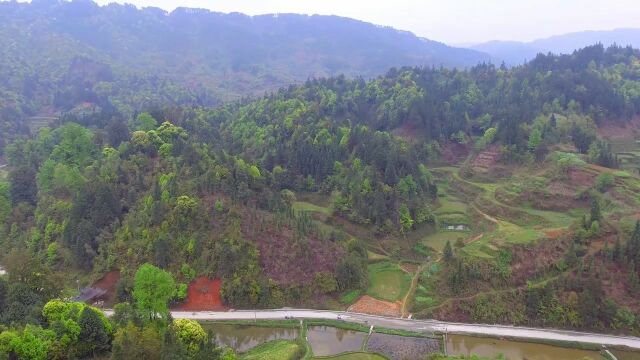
514, 52
79, 52
510, 52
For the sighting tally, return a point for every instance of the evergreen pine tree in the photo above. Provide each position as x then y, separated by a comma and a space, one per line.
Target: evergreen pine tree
617, 251
595, 211
571, 257
634, 283
448, 251
633, 246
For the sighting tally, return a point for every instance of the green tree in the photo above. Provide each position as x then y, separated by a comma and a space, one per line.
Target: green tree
191, 334
23, 186
94, 337
33, 343
634, 282
405, 218
535, 139
604, 182
188, 272
144, 122
75, 147
595, 212
133, 343
448, 251
324, 283
351, 273
152, 290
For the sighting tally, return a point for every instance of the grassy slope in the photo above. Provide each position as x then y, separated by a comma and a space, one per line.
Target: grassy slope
307, 206
387, 281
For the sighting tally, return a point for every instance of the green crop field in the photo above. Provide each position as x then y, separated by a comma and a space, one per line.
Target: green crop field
387, 281
279, 349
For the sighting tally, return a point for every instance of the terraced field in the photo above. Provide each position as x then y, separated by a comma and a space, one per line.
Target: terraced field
503, 223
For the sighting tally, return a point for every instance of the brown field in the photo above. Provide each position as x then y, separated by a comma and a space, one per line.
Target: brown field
368, 305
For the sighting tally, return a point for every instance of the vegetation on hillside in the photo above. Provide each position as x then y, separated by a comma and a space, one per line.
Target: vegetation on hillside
223, 192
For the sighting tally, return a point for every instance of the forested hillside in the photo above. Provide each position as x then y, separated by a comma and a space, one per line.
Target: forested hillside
313, 194
60, 56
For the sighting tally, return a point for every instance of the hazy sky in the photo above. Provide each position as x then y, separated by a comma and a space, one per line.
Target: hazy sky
451, 21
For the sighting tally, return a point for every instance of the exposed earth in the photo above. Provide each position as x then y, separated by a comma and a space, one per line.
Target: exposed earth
203, 294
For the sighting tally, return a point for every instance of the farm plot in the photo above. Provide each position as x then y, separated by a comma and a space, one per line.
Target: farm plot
368, 305
387, 281
402, 347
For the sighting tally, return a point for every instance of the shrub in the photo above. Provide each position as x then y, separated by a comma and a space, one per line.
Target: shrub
188, 272
604, 182
181, 293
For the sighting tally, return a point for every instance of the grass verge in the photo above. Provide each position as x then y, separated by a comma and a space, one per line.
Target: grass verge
278, 349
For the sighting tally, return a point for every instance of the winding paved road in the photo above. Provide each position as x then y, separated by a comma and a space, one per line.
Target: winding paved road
416, 325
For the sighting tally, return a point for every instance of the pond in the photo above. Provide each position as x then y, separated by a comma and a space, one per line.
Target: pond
513, 350
325, 340
244, 337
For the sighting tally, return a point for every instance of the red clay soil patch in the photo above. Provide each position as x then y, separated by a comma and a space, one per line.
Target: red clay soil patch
108, 283
203, 294
368, 305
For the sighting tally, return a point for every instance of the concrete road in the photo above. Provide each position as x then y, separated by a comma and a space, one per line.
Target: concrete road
415, 325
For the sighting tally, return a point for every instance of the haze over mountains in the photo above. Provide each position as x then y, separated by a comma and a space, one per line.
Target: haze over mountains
516, 52
224, 55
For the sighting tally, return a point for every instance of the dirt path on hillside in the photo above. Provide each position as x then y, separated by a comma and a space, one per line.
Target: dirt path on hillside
485, 215
474, 239
412, 290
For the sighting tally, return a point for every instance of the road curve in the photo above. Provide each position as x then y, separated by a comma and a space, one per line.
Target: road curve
416, 325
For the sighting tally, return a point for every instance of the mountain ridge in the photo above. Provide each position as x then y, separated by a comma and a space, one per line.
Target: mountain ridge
205, 57
518, 52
